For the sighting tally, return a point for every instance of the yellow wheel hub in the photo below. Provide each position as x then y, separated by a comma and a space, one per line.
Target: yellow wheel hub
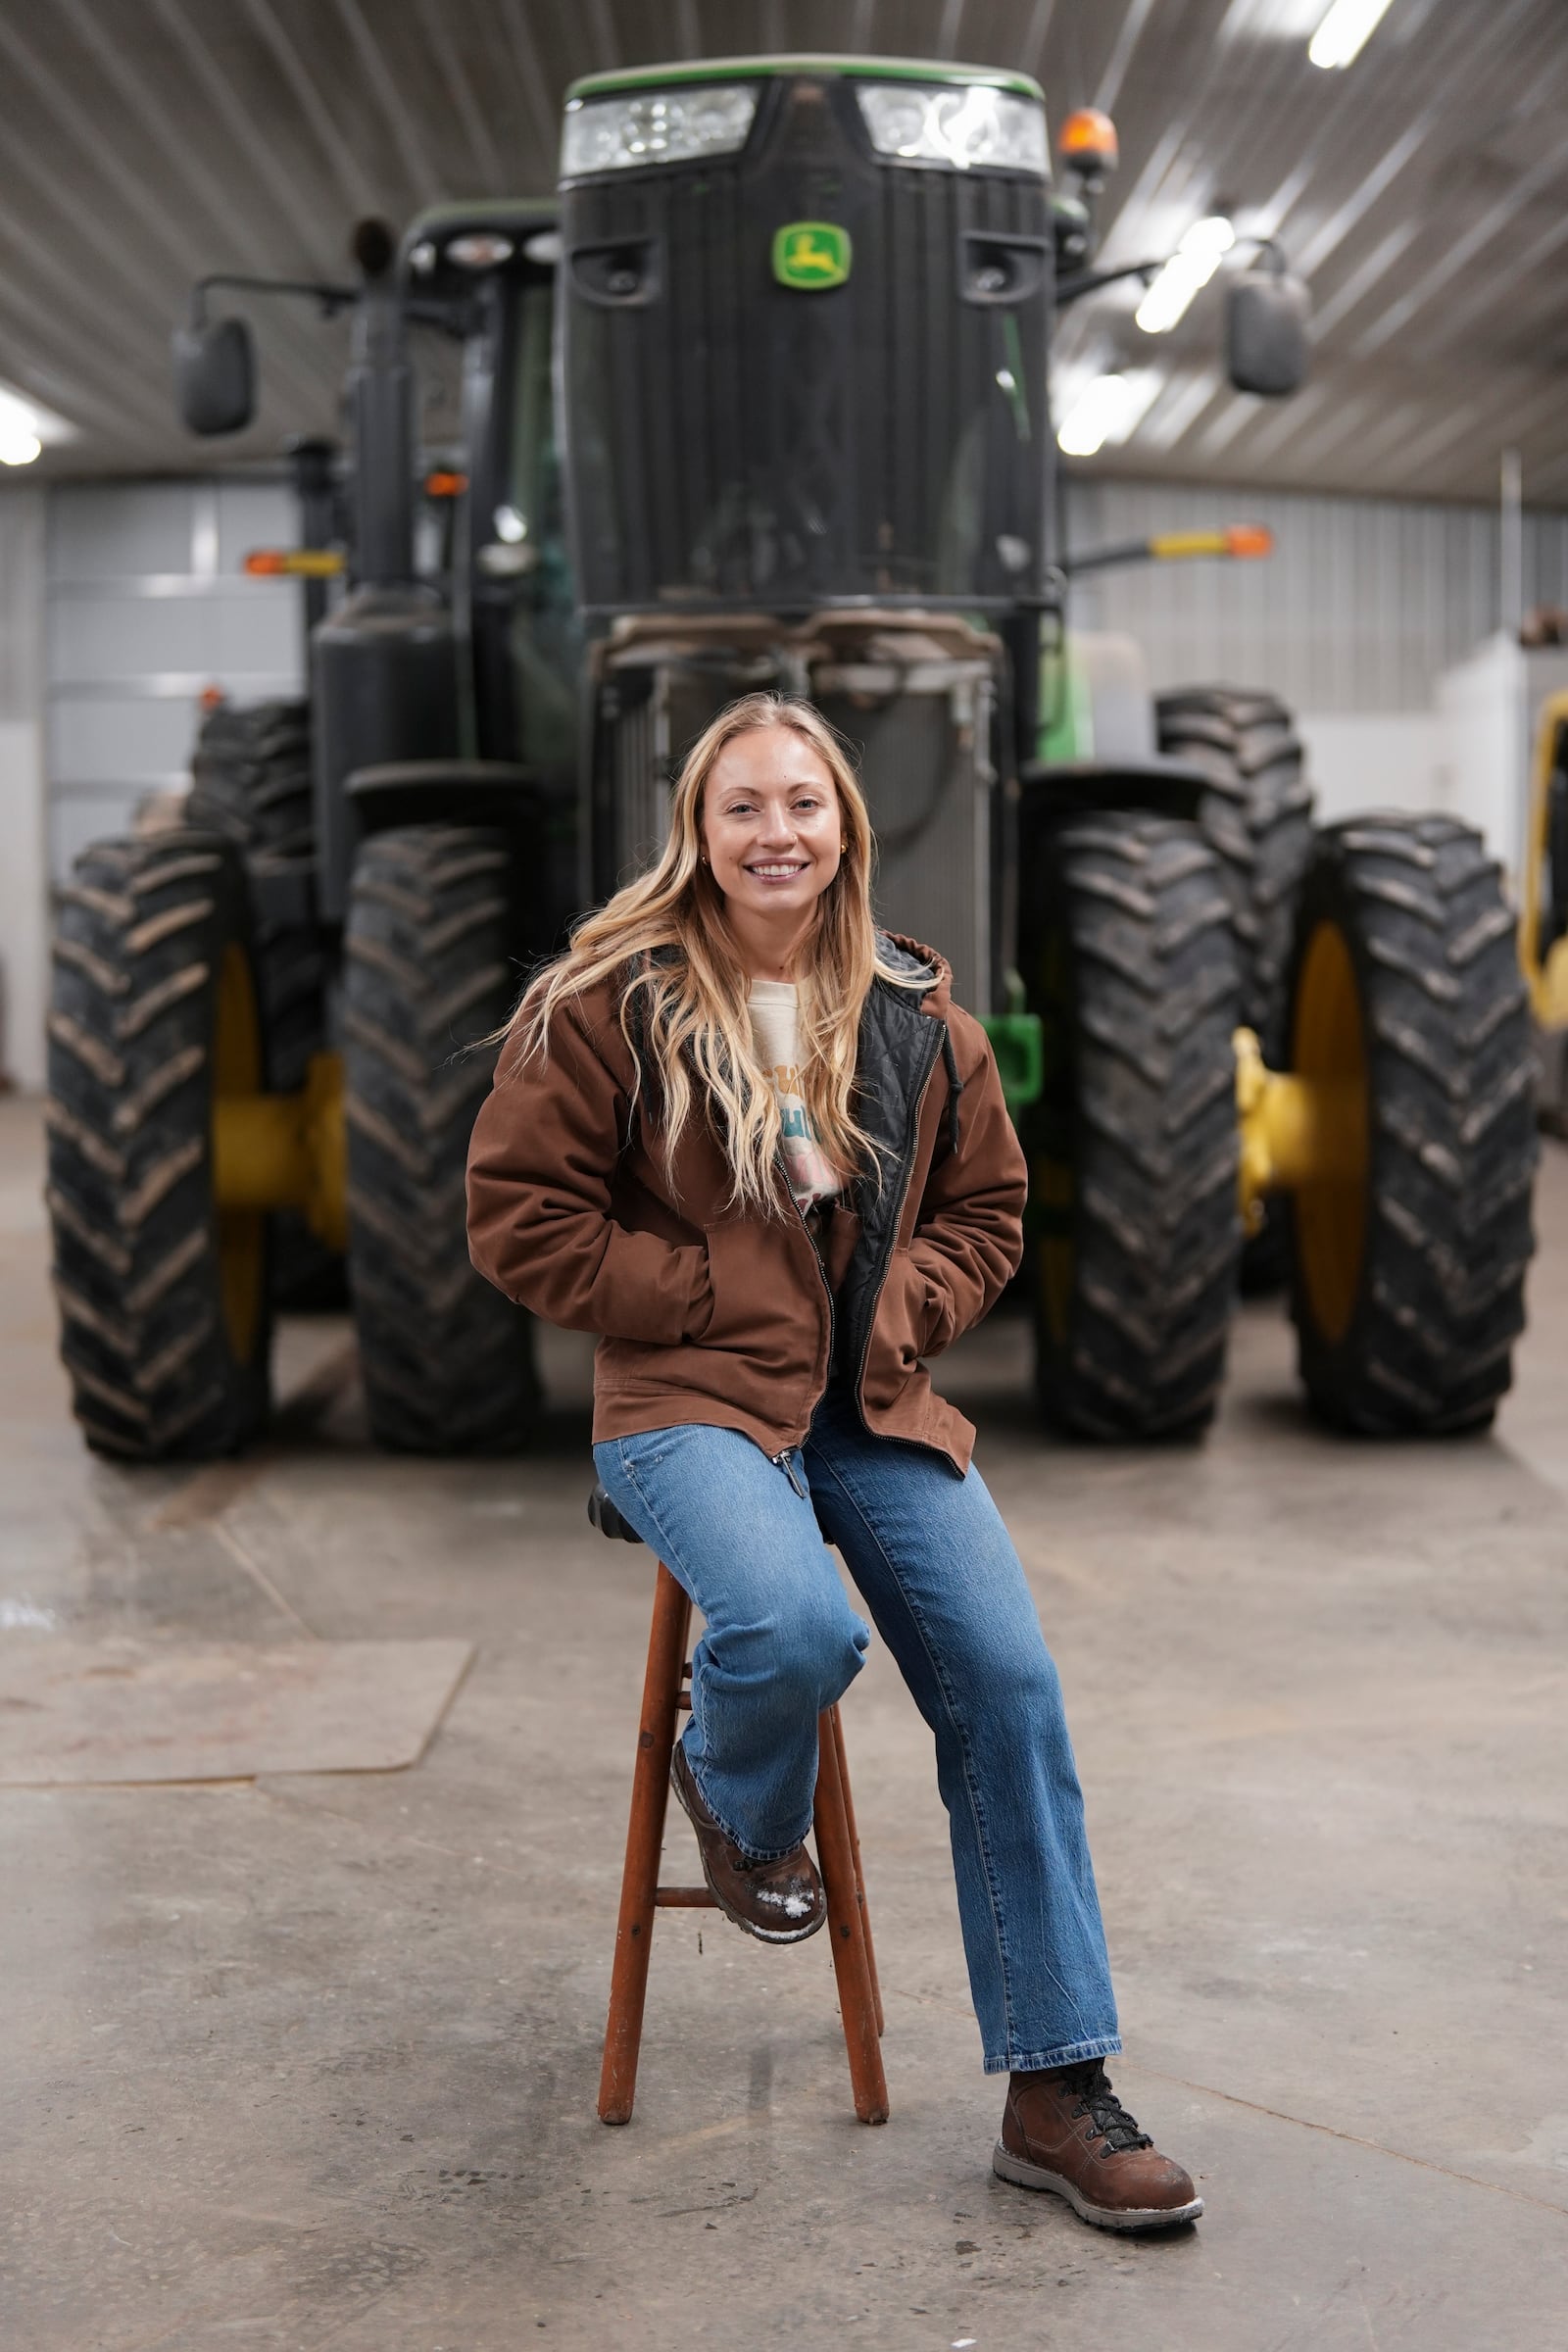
1329, 1051
1304, 1131
241, 1228
1051, 1192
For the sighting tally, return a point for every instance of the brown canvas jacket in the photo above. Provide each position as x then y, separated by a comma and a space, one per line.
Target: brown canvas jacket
708, 1315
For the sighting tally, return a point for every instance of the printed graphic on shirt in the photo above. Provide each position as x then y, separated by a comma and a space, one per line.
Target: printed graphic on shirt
812, 1175
775, 1032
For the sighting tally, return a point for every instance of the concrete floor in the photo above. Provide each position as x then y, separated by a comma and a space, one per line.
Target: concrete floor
312, 2060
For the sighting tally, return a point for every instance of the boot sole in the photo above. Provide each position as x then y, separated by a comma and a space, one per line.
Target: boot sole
1024, 2175
763, 1935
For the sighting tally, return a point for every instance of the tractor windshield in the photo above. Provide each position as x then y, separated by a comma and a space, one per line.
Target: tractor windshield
528, 641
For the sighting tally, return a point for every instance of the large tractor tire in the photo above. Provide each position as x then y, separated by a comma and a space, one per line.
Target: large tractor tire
163, 1299
1257, 814
251, 777
447, 1362
251, 780
1129, 958
1407, 1275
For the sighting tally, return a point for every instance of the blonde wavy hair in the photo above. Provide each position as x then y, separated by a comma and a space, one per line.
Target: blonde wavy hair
664, 941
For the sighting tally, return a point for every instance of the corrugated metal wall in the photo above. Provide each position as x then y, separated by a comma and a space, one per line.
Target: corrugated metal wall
147, 607
1361, 609
1362, 604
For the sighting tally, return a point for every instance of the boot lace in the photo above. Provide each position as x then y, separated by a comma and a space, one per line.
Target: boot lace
1099, 2102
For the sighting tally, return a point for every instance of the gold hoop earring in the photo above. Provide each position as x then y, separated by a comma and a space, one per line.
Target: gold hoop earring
844, 848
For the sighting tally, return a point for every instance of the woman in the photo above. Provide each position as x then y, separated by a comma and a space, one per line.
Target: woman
753, 1144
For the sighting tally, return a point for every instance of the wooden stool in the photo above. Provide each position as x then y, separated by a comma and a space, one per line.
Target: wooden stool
838, 1854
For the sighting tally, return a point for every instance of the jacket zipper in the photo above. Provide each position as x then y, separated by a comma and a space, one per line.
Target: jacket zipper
782, 1458
933, 1056
782, 1461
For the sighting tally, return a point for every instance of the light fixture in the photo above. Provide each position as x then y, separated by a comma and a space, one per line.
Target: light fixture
961, 128
1106, 410
656, 126
28, 428
19, 431
1189, 267
481, 249
1339, 39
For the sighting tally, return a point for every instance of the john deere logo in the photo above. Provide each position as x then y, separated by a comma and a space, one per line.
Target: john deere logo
810, 255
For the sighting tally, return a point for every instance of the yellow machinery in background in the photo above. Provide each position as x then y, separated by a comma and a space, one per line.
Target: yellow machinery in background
1544, 907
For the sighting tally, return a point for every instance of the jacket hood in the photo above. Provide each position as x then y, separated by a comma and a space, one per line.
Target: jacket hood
905, 955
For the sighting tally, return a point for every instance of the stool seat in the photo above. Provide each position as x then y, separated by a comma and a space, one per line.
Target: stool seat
609, 1521
665, 1691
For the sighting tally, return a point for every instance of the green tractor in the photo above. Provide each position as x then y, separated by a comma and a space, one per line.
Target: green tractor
761, 401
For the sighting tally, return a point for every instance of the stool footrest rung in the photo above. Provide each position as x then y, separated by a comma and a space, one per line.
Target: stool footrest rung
684, 1899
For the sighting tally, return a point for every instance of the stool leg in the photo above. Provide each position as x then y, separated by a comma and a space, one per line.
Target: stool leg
859, 1870
835, 1852
639, 1885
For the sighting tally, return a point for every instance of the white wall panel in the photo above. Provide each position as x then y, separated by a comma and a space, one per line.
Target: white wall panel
23, 889
148, 606
99, 530
1363, 604
142, 740
1374, 760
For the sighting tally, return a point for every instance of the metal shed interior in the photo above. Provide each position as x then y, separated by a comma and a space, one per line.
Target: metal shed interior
1423, 194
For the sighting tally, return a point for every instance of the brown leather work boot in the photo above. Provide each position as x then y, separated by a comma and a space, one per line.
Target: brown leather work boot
1067, 2132
782, 1902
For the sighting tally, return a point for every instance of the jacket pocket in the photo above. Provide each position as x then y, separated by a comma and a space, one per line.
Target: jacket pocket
764, 1311
907, 1316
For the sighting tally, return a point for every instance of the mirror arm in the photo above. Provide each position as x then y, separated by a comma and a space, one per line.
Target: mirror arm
1090, 281
426, 310
332, 299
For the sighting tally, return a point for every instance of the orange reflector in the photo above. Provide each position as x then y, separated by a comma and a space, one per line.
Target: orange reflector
304, 562
445, 485
1250, 539
212, 698
1089, 137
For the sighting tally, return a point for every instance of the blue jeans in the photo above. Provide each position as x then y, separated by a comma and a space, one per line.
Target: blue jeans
938, 1574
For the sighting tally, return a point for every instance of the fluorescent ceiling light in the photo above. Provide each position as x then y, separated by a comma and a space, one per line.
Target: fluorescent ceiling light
19, 431
25, 428
1189, 267
1107, 409
1339, 38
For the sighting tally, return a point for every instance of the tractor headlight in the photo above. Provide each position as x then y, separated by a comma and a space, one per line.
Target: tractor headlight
656, 126
961, 128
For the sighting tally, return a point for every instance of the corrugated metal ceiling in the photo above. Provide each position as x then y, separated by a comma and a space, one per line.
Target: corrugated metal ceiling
1423, 192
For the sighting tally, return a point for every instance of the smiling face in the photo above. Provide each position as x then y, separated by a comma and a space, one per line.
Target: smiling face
771, 823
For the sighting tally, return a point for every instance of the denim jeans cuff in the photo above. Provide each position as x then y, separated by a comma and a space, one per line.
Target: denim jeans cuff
1066, 2053
752, 1853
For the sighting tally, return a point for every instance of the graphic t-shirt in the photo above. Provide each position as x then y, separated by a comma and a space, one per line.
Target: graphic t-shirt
775, 1031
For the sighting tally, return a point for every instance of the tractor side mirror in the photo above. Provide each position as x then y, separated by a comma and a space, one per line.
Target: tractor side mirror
1266, 314
215, 375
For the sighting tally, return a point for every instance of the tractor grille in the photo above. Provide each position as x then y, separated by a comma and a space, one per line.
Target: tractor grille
731, 442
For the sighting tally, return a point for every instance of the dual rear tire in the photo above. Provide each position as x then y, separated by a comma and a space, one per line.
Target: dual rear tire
164, 1306
1408, 1281
1407, 1270
158, 1010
